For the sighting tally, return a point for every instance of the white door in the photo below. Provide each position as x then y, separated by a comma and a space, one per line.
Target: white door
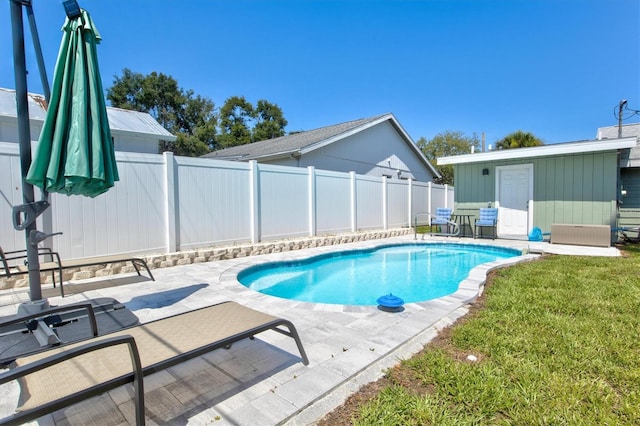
514, 199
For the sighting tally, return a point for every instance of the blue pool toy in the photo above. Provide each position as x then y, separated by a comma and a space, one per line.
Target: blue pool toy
390, 303
536, 234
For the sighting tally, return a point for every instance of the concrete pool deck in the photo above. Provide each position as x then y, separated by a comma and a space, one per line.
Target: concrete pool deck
263, 382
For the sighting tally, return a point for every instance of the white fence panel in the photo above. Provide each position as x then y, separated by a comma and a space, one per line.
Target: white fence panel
10, 195
164, 203
212, 202
333, 202
439, 198
369, 203
284, 205
128, 218
419, 198
398, 203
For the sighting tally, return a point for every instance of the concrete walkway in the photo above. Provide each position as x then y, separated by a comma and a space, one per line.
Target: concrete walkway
262, 381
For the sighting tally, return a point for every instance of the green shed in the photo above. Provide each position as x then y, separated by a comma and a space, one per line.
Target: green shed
566, 183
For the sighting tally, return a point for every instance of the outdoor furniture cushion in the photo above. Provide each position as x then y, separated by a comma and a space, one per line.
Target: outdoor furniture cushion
488, 219
443, 216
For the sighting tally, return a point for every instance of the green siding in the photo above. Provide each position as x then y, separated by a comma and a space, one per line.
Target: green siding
578, 189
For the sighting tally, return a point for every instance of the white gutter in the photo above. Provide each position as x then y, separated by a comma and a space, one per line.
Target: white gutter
542, 151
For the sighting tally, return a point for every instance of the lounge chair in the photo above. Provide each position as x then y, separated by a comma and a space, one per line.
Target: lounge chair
442, 218
625, 230
82, 370
14, 263
488, 219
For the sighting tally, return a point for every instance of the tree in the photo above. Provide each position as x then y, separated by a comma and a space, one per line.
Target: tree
518, 139
189, 117
192, 118
126, 92
270, 122
235, 117
198, 119
446, 144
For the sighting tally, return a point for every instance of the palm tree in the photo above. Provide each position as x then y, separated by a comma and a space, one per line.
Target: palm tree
518, 139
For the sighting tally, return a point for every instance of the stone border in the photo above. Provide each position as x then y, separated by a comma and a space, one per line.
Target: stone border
208, 254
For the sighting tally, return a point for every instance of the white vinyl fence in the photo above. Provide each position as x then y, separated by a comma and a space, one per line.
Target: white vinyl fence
164, 203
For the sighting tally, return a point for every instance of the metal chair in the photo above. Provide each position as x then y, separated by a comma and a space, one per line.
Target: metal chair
488, 219
442, 218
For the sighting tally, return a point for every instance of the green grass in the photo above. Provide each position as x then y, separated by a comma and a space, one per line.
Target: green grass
427, 229
558, 343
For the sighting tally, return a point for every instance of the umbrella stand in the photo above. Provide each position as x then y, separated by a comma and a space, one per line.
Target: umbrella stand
24, 216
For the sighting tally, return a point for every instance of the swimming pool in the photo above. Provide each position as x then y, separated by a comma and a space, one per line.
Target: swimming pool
414, 272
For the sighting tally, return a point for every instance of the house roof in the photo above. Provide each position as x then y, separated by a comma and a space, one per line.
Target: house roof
632, 157
307, 141
541, 151
137, 122
120, 120
611, 132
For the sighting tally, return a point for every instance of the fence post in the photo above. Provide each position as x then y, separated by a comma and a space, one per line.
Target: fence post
429, 193
410, 200
171, 209
312, 201
446, 195
354, 200
254, 201
385, 204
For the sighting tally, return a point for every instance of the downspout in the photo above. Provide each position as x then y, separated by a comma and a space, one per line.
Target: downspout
618, 194
296, 156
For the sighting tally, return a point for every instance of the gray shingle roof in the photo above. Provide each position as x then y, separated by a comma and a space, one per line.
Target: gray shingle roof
632, 157
611, 132
297, 142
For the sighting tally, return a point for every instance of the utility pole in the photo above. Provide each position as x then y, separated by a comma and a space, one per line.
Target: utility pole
622, 104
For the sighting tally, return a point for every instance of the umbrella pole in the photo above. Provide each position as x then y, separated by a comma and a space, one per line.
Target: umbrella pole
38, 50
24, 138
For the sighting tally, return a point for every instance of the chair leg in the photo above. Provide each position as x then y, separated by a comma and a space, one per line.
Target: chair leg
61, 283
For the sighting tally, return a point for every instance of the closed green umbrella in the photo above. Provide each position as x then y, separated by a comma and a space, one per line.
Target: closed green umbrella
75, 155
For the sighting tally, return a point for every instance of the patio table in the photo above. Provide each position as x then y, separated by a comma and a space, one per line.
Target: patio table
463, 220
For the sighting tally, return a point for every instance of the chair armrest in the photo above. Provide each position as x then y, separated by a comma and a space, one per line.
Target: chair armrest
49, 311
96, 389
42, 251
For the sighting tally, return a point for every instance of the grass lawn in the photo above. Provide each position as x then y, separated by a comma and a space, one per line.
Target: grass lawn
556, 340
428, 229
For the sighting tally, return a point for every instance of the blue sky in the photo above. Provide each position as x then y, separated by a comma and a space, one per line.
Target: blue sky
557, 68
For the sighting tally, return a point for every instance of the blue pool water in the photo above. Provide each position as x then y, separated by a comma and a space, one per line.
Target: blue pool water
413, 272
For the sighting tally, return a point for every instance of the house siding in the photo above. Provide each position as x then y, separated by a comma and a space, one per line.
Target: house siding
630, 179
579, 189
376, 151
630, 207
